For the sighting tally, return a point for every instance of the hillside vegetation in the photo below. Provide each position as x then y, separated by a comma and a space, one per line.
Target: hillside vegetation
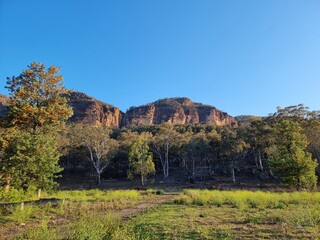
37, 144
174, 150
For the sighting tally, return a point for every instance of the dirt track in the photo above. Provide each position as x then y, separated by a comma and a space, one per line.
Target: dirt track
145, 205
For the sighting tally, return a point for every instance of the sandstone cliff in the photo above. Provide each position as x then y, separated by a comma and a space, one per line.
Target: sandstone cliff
91, 111
177, 111
88, 110
4, 102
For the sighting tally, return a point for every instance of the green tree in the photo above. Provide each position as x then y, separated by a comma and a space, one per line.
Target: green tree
232, 149
29, 159
291, 162
100, 147
30, 145
258, 135
312, 131
198, 153
37, 98
140, 159
163, 142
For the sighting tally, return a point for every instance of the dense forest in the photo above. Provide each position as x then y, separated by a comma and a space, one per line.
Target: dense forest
38, 145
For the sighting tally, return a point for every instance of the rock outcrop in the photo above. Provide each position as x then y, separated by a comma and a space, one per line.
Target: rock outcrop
88, 110
177, 111
4, 102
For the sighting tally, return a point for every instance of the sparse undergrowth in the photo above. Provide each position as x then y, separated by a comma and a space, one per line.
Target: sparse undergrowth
247, 199
195, 214
154, 191
172, 221
97, 195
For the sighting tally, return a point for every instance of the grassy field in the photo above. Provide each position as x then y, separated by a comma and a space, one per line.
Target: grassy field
235, 215
193, 214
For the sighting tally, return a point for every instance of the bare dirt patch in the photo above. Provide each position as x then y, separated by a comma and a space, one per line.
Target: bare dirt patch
148, 203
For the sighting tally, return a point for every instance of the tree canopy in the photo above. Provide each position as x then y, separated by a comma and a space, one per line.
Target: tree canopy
100, 147
37, 97
140, 159
291, 162
30, 146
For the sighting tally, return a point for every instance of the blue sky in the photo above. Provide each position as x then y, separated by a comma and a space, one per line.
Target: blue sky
242, 56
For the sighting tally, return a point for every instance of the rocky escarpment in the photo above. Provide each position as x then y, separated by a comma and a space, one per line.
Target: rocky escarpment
88, 110
177, 111
4, 102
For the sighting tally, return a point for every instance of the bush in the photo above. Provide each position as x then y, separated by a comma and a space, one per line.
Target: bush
13, 195
154, 192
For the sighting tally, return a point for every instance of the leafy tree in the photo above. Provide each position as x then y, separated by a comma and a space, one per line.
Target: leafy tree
37, 98
140, 159
163, 142
30, 149
258, 135
29, 159
308, 120
180, 150
312, 131
291, 162
232, 149
121, 162
295, 112
198, 154
96, 139
214, 141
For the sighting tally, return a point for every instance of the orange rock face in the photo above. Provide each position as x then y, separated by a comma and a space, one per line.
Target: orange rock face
177, 111
91, 111
88, 110
4, 102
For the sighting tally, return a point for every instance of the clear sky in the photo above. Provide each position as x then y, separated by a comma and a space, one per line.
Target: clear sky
242, 56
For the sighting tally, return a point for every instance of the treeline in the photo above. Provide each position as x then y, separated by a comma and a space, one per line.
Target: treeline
36, 143
284, 146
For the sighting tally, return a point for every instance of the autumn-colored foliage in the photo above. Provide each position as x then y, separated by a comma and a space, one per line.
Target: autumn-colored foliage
37, 97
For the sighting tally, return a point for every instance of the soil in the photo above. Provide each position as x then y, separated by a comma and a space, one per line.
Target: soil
145, 205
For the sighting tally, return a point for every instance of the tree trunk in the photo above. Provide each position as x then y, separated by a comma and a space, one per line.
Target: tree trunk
98, 179
260, 161
7, 187
256, 160
193, 169
142, 181
167, 162
233, 173
271, 173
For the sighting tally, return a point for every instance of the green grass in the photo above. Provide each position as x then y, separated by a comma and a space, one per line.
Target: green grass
97, 195
247, 199
204, 214
91, 225
70, 215
195, 214
172, 221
